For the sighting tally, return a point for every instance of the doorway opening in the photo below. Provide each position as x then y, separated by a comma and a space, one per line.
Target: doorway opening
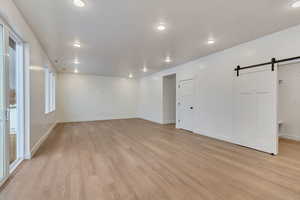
289, 101
169, 100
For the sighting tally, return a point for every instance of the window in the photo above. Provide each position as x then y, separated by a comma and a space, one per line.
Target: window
50, 89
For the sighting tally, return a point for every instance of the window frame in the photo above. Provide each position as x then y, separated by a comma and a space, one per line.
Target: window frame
50, 91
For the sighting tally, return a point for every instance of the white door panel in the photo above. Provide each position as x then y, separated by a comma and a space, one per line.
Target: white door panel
255, 109
186, 104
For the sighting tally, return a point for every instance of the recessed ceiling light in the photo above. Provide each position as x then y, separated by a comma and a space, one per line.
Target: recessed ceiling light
161, 27
168, 59
145, 69
79, 3
130, 76
211, 41
76, 61
76, 71
295, 4
77, 44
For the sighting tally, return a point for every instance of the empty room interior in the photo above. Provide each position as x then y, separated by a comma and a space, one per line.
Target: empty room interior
144, 100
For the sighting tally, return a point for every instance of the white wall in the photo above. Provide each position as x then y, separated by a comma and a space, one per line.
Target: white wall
169, 99
39, 121
289, 100
89, 98
214, 81
150, 99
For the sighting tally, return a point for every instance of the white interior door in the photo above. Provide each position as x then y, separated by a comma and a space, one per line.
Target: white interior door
186, 104
255, 109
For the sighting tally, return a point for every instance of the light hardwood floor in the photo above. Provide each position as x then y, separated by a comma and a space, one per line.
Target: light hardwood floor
12, 148
136, 159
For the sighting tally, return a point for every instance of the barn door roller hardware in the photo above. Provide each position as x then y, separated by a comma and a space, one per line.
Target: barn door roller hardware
272, 63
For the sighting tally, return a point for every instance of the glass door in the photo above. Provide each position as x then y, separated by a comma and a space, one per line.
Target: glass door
3, 111
12, 102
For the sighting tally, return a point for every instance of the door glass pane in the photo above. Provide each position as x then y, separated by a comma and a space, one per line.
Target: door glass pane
12, 90
2, 108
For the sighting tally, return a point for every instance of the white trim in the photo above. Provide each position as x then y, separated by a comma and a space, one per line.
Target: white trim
291, 137
50, 90
4, 180
276, 148
150, 120
15, 164
3, 121
41, 141
26, 101
47, 90
95, 120
6, 100
169, 121
214, 136
20, 101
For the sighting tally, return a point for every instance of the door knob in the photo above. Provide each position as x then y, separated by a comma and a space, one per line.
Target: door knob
191, 108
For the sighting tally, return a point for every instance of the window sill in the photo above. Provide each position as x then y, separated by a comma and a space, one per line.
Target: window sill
48, 113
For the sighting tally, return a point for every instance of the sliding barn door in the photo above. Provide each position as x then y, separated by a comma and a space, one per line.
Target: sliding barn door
255, 109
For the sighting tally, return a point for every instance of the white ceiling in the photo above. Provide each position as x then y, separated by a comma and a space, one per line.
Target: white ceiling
119, 37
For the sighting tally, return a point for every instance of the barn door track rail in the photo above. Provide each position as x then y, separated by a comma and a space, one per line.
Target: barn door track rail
272, 63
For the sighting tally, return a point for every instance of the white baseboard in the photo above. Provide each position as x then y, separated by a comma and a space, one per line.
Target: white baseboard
13, 166
150, 120
214, 136
170, 121
291, 137
36, 147
3, 181
93, 120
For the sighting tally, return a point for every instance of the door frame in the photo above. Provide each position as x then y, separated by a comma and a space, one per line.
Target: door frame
4, 112
22, 82
20, 101
178, 114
